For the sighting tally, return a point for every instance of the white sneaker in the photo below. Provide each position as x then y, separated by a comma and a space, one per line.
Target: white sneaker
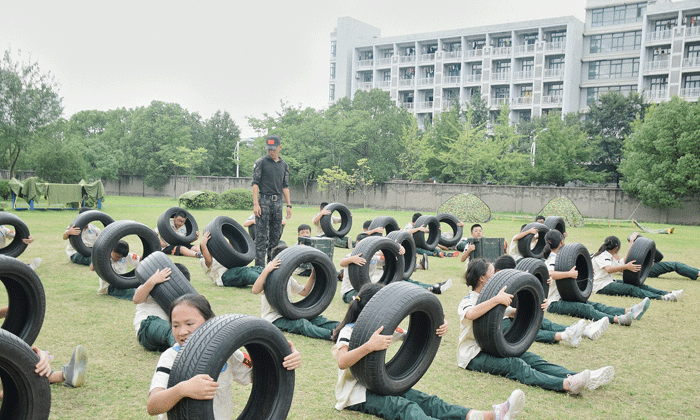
578, 382
573, 333
595, 329
440, 288
600, 377
625, 319
639, 309
74, 371
678, 293
670, 297
102, 289
36, 262
512, 408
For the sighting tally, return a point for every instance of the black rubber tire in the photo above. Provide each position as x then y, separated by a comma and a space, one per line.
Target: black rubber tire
580, 288
393, 262
387, 308
658, 256
457, 231
108, 238
168, 234
556, 222
345, 221
164, 293
27, 396
524, 243
251, 231
431, 222
16, 247
229, 243
642, 251
488, 328
81, 221
209, 347
320, 296
537, 268
405, 239
26, 299
387, 222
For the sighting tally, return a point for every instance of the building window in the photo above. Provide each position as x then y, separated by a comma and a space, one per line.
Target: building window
501, 92
528, 65
502, 66
664, 24
556, 63
618, 15
693, 51
594, 93
367, 77
478, 44
559, 36
453, 69
366, 55
331, 92
476, 68
613, 69
502, 42
692, 81
453, 46
529, 39
658, 83
451, 95
555, 89
386, 76
429, 72
332, 70
333, 46
621, 41
526, 91
408, 73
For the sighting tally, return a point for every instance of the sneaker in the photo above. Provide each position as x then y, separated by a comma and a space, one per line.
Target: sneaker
670, 297
440, 288
578, 382
678, 293
441, 254
455, 254
639, 309
74, 371
595, 329
512, 408
625, 319
102, 289
424, 262
600, 377
36, 262
573, 333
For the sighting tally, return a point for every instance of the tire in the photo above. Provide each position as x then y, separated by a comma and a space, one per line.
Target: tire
537, 268
405, 239
251, 231
525, 243
387, 308
26, 299
488, 329
168, 234
642, 251
164, 293
210, 346
457, 231
27, 396
393, 263
556, 222
580, 288
81, 221
387, 222
345, 221
320, 296
431, 222
16, 247
108, 238
229, 244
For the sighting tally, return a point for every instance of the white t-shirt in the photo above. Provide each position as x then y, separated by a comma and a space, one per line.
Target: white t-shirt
182, 230
319, 229
553, 290
468, 347
4, 234
234, 370
125, 264
601, 277
146, 309
375, 273
88, 234
347, 390
215, 271
267, 311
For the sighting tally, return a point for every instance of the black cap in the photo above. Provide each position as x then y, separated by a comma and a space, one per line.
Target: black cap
272, 142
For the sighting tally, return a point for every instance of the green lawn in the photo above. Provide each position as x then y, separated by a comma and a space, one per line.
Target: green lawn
656, 360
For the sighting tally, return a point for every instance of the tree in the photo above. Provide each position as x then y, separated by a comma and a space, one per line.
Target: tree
363, 179
29, 101
188, 159
480, 109
96, 138
334, 180
412, 151
661, 157
54, 158
220, 138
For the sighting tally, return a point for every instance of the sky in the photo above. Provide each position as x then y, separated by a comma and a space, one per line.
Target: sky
241, 57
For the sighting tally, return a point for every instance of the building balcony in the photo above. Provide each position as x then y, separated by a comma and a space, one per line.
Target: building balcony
473, 53
424, 106
692, 31
425, 58
691, 62
500, 76
656, 65
553, 73
451, 80
365, 86
426, 81
524, 49
452, 55
407, 105
556, 100
690, 93
657, 94
522, 75
405, 82
407, 59
472, 78
363, 64
521, 101
501, 50
497, 102
555, 46
384, 84
384, 62
666, 34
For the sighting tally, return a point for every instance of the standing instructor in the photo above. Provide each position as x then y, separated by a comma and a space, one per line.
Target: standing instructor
270, 185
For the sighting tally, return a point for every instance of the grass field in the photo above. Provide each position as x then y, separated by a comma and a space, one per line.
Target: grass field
656, 360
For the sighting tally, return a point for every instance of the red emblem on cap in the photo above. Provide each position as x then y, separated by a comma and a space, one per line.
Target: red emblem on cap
270, 141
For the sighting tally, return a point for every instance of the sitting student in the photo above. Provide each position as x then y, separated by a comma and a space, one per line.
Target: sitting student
222, 276
178, 225
303, 231
412, 404
88, 236
344, 242
513, 248
122, 262
367, 224
7, 233
250, 221
468, 246
663, 267
540, 219
319, 327
411, 228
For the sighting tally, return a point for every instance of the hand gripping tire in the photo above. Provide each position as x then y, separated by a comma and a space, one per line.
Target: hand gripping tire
525, 243
488, 328
393, 262
168, 234
164, 293
457, 231
556, 222
27, 301
81, 221
642, 251
108, 238
405, 239
345, 221
229, 244
537, 268
318, 299
27, 396
16, 247
431, 222
210, 346
387, 222
580, 288
387, 308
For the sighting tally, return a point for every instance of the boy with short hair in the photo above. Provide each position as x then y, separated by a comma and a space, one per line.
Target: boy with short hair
177, 223
122, 262
222, 276
344, 242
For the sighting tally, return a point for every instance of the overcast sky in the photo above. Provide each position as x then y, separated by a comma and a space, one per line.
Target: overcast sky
241, 57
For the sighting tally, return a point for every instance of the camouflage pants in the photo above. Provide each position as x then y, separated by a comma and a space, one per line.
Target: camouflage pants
268, 228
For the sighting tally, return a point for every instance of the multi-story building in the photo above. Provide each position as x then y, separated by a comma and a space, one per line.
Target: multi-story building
535, 66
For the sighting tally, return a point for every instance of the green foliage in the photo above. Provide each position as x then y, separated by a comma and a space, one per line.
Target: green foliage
335, 180
412, 142
188, 159
55, 160
222, 133
205, 200
363, 180
5, 191
236, 199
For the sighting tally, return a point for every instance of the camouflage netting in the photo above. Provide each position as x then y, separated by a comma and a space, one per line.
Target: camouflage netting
467, 208
563, 207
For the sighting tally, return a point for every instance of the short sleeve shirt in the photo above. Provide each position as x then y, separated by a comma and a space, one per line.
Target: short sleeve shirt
267, 311
553, 290
4, 234
602, 278
375, 273
215, 271
347, 390
319, 229
468, 347
146, 309
125, 264
271, 177
182, 230
88, 235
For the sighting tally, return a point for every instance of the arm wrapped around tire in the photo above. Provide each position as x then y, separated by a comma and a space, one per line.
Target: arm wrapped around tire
26, 299
345, 221
81, 221
210, 346
431, 222
525, 243
405, 239
387, 222
16, 247
580, 288
229, 243
488, 328
393, 262
318, 298
537, 268
108, 238
168, 234
642, 251
457, 231
387, 308
556, 223
164, 293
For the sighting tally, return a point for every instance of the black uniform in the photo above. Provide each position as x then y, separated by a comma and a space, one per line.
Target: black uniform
271, 178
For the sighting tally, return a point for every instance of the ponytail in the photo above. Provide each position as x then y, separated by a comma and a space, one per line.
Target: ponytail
610, 243
475, 271
554, 238
356, 306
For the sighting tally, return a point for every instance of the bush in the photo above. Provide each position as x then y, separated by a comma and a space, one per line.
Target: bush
204, 200
236, 199
5, 191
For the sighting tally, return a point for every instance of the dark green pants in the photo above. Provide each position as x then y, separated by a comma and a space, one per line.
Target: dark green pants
155, 334
411, 405
79, 258
318, 327
588, 310
434, 253
618, 288
241, 276
529, 369
664, 267
126, 294
546, 332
